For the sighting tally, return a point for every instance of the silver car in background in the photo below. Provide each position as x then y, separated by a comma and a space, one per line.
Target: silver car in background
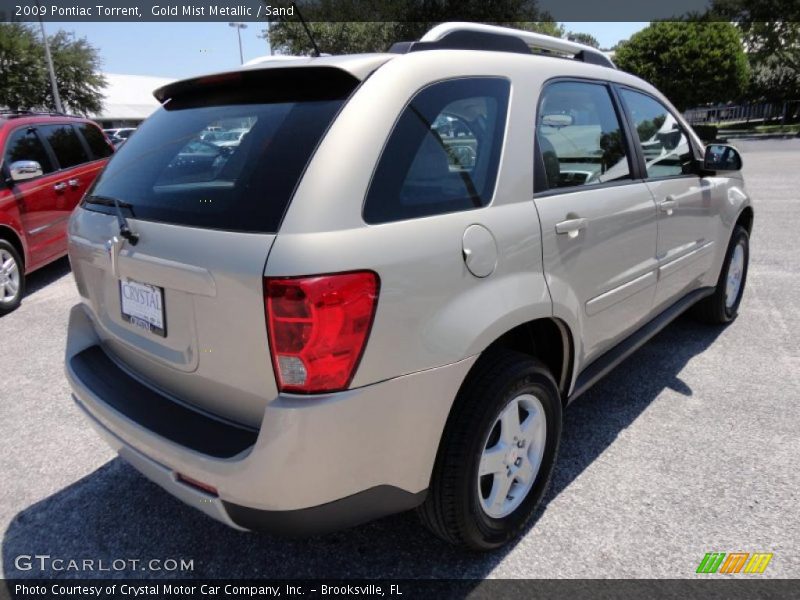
383, 296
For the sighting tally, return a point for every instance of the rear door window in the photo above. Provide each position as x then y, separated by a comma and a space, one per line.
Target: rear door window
24, 144
66, 145
444, 152
242, 177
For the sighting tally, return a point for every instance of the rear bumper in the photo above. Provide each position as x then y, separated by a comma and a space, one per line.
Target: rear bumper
314, 465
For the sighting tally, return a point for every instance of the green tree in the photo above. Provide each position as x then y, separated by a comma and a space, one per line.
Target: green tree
770, 28
374, 25
692, 62
289, 37
774, 80
583, 38
26, 82
22, 69
771, 33
77, 66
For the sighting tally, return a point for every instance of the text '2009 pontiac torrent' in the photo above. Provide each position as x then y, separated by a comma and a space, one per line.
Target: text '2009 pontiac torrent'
383, 292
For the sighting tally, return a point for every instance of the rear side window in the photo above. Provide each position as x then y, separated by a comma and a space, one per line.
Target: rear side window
65, 144
96, 140
580, 135
226, 157
24, 144
665, 146
444, 152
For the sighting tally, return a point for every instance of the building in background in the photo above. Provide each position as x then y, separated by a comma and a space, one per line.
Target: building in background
128, 100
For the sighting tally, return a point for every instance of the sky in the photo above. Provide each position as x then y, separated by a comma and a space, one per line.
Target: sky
186, 49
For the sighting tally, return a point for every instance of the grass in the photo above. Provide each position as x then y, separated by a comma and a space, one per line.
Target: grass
777, 128
757, 127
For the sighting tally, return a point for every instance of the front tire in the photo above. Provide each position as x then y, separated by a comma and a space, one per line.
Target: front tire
12, 278
497, 453
723, 305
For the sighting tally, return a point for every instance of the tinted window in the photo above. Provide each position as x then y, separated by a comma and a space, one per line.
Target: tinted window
580, 136
443, 153
65, 144
96, 140
24, 144
666, 148
172, 171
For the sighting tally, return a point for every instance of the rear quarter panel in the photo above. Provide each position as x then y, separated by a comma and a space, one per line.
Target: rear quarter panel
431, 311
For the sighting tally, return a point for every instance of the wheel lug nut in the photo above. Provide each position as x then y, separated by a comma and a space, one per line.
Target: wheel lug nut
520, 443
518, 462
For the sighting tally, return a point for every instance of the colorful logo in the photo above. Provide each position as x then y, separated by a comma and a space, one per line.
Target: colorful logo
734, 562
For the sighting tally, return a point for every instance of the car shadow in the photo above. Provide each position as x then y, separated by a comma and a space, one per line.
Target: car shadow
45, 276
114, 513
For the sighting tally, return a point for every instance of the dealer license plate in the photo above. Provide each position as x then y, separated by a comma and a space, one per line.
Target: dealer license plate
143, 306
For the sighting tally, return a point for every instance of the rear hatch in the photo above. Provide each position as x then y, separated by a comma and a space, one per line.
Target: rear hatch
183, 308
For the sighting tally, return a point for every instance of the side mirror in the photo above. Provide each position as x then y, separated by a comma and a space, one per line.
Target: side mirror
721, 157
23, 170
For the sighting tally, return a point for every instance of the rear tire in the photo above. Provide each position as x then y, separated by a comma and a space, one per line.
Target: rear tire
506, 423
12, 278
723, 305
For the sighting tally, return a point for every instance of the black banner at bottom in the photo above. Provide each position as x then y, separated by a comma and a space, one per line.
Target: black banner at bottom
569, 589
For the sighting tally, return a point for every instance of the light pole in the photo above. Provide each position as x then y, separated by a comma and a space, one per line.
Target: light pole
239, 27
53, 82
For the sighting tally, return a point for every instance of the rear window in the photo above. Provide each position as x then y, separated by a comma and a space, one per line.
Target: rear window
265, 129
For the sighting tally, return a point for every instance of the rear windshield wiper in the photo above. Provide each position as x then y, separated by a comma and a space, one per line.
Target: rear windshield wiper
124, 229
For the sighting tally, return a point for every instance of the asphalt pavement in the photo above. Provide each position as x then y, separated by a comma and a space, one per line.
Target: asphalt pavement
690, 446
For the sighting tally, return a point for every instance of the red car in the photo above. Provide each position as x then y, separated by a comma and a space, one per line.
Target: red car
47, 164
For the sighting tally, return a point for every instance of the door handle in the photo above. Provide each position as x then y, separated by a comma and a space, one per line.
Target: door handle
60, 187
668, 205
74, 182
571, 227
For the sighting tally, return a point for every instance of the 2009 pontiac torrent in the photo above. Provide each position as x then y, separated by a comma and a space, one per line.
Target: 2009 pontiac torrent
383, 293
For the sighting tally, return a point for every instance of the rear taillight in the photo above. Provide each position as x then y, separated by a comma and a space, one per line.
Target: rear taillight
318, 327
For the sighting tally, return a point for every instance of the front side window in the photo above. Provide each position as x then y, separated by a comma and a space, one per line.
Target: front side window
666, 148
24, 144
444, 152
65, 144
580, 136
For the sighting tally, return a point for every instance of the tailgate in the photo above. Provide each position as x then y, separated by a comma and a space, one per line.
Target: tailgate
213, 353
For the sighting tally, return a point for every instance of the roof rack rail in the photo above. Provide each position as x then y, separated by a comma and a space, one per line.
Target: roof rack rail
25, 112
477, 36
